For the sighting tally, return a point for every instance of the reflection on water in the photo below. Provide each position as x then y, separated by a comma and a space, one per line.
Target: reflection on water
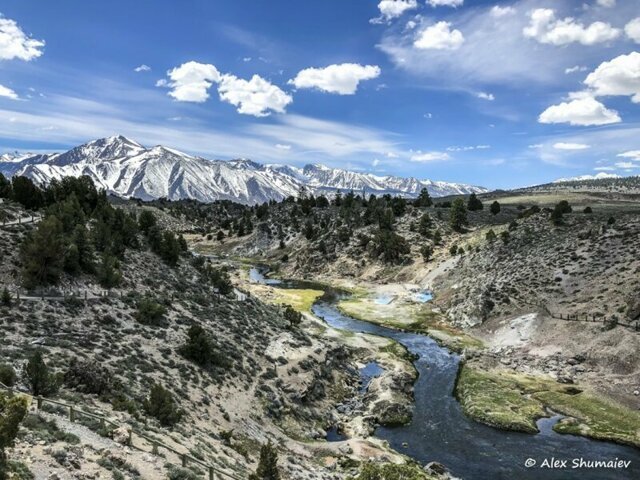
367, 373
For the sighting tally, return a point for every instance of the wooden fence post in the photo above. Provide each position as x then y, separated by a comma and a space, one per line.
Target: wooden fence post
130, 439
72, 414
38, 403
184, 460
212, 474
154, 449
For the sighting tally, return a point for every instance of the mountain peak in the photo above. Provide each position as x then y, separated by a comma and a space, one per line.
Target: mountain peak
124, 167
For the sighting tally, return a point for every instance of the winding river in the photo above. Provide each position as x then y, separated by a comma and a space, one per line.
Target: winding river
440, 432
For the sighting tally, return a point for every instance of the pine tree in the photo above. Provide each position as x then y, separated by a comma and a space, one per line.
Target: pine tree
42, 254
424, 199
25, 192
425, 225
495, 208
5, 187
426, 251
160, 405
109, 274
146, 221
268, 464
12, 411
474, 203
85, 251
458, 215
37, 376
5, 298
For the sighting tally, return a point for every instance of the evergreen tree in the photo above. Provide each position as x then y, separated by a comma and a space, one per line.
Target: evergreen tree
146, 220
293, 316
386, 219
491, 236
458, 215
37, 376
390, 246
201, 349
71, 263
25, 192
474, 203
426, 251
42, 254
5, 187
109, 274
220, 235
12, 411
268, 464
495, 208
309, 231
85, 251
161, 405
154, 237
424, 199
425, 225
170, 248
5, 298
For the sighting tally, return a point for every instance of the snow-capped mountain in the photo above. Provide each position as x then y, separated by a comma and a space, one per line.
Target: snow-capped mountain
597, 176
126, 168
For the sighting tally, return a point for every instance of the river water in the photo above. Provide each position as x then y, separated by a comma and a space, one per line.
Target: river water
440, 432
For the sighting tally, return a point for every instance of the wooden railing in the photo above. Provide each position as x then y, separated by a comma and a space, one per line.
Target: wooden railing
214, 473
21, 221
593, 318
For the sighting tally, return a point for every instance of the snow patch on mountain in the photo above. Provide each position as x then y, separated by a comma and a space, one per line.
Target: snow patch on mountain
597, 176
126, 168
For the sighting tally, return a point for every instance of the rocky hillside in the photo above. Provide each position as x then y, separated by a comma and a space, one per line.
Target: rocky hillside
171, 350
502, 276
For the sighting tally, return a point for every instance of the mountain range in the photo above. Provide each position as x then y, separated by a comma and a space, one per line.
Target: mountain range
126, 168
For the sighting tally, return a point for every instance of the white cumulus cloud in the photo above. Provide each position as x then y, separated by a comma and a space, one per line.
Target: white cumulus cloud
142, 68
570, 146
8, 93
576, 68
632, 154
257, 97
390, 9
632, 29
581, 111
545, 28
619, 76
439, 37
607, 3
445, 3
497, 11
14, 43
281, 146
425, 157
626, 165
486, 96
190, 82
342, 79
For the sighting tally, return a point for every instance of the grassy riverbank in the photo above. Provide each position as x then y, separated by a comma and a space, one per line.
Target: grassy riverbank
514, 401
413, 317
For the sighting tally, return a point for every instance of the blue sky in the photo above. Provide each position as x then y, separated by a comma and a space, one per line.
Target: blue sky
491, 93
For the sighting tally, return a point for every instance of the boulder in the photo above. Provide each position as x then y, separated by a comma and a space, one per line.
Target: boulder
121, 435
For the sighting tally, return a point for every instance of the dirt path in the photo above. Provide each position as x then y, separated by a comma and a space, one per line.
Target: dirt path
93, 447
